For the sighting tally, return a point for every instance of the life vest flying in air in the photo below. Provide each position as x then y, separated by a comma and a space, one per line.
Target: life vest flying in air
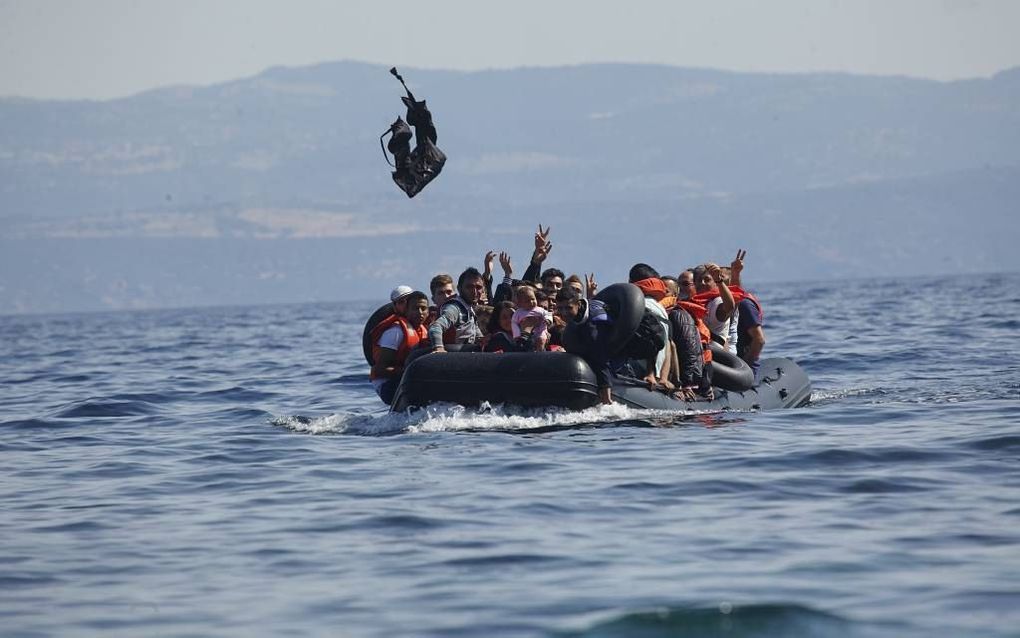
414, 169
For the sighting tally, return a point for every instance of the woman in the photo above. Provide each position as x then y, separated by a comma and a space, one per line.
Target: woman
500, 337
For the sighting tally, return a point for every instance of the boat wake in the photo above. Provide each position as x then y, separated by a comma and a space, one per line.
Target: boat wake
448, 417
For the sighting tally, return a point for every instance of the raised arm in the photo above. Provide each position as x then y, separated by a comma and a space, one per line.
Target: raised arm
542, 249
447, 319
737, 266
725, 309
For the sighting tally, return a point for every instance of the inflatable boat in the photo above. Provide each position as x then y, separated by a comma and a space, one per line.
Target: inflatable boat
562, 379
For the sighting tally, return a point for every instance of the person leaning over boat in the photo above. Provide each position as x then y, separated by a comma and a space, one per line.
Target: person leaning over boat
593, 330
456, 322
393, 339
656, 369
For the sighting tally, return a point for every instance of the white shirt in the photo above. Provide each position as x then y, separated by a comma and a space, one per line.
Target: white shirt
722, 328
660, 313
392, 338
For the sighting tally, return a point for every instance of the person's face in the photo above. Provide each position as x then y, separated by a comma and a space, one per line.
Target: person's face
505, 315
440, 296
705, 283
686, 285
576, 285
417, 312
567, 310
552, 284
400, 306
526, 299
472, 290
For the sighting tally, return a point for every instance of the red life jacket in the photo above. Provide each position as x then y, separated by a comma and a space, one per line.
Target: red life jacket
412, 337
757, 304
698, 312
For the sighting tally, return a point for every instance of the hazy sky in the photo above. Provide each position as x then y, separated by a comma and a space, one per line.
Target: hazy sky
109, 48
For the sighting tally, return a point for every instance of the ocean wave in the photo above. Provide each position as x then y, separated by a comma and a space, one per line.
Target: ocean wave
733, 621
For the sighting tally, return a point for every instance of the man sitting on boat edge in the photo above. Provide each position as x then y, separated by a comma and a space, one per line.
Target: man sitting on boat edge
392, 341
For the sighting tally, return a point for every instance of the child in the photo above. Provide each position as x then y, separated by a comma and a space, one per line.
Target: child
527, 306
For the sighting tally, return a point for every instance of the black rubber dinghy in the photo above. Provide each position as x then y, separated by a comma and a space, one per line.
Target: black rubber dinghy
559, 379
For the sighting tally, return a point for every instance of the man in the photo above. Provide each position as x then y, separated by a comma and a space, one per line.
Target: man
685, 285
552, 281
593, 330
456, 322
750, 318
718, 301
399, 299
658, 367
394, 339
441, 288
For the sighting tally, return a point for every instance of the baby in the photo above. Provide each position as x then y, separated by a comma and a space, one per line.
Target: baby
527, 306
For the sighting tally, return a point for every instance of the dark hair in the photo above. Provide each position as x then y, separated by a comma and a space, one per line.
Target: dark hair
469, 273
439, 281
541, 295
568, 294
641, 271
571, 279
497, 310
415, 297
670, 278
698, 272
484, 313
552, 272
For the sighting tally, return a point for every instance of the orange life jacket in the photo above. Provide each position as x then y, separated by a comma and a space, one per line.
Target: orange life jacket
412, 337
653, 287
698, 312
704, 297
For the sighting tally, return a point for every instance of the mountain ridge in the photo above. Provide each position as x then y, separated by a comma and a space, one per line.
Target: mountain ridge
292, 155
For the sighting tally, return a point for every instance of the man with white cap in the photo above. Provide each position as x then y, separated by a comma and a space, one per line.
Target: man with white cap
395, 337
399, 298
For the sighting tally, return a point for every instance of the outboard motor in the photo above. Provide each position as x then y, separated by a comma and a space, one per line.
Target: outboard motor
414, 169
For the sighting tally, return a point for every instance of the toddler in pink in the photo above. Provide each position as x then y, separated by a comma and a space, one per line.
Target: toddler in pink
527, 306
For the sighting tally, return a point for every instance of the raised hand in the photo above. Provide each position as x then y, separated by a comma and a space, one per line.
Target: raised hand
504, 261
737, 265
542, 237
714, 271
542, 253
590, 285
489, 256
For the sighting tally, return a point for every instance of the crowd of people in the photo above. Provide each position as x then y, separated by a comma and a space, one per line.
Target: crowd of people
670, 350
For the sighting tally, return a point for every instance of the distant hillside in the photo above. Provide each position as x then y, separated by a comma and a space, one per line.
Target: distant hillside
818, 174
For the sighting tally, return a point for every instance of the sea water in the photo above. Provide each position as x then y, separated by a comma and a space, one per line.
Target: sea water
230, 472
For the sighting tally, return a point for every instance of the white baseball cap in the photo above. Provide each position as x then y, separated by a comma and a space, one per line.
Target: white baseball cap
400, 292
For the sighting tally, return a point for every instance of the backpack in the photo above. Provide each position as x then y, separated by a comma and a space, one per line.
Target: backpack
414, 168
647, 340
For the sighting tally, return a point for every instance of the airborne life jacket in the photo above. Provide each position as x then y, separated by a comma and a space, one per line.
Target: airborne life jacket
414, 169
